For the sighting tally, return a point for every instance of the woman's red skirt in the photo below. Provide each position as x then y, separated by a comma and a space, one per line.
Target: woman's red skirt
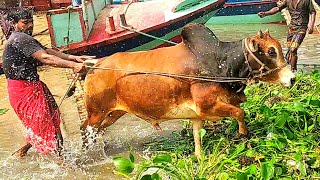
38, 111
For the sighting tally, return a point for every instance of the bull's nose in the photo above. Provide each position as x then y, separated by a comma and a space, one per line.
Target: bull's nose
292, 81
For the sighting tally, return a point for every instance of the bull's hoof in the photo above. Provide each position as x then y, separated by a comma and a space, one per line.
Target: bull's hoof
272, 100
243, 136
88, 142
86, 145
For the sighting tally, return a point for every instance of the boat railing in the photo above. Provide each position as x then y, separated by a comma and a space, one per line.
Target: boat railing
73, 24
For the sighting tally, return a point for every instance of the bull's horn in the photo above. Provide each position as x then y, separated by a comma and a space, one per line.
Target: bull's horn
267, 31
260, 34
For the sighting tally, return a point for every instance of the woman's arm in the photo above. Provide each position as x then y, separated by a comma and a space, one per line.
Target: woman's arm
68, 56
56, 61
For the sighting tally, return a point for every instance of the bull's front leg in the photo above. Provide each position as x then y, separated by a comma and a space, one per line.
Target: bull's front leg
197, 125
89, 128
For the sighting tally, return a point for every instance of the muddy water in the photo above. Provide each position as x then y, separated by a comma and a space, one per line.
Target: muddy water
129, 130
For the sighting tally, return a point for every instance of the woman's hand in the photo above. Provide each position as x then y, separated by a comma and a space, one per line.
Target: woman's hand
80, 58
79, 67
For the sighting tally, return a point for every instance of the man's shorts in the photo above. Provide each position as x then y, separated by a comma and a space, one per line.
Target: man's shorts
295, 37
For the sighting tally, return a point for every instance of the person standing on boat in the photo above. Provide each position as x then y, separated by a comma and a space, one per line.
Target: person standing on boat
302, 21
28, 95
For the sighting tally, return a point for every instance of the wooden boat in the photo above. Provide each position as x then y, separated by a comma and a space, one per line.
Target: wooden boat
45, 5
102, 28
245, 11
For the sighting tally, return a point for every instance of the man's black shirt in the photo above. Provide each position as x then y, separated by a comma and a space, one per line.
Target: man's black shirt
300, 14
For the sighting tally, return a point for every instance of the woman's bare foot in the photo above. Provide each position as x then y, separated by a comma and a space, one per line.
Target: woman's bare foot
22, 151
59, 160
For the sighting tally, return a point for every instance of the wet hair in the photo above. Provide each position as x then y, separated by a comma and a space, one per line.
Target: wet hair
19, 13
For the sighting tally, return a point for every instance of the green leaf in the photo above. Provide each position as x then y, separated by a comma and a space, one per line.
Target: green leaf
202, 132
310, 127
281, 120
250, 153
3, 111
146, 177
311, 161
181, 163
315, 102
242, 176
266, 111
252, 169
240, 148
200, 178
131, 156
155, 176
223, 176
298, 156
288, 133
297, 106
266, 170
162, 159
278, 171
123, 165
285, 178
302, 168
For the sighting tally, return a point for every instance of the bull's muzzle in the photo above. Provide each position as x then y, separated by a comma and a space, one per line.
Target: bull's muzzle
287, 78
292, 80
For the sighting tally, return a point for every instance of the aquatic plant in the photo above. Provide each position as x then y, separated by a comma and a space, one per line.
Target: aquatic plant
284, 126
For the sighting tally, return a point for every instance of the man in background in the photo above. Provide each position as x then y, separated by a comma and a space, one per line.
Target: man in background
302, 21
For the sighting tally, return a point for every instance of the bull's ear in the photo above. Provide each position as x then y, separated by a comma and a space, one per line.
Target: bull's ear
253, 45
260, 34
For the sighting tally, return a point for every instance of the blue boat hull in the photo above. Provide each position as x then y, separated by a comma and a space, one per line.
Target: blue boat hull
235, 9
245, 11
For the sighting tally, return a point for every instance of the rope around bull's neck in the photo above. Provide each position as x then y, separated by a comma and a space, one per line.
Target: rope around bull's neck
185, 76
263, 66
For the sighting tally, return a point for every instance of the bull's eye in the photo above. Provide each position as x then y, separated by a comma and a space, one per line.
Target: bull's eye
272, 52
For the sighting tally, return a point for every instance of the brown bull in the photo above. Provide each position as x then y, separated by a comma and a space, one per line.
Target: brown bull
177, 82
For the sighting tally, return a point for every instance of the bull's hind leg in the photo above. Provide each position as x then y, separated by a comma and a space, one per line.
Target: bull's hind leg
227, 110
197, 125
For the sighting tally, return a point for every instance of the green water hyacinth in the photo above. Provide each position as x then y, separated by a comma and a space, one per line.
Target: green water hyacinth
284, 126
3, 111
